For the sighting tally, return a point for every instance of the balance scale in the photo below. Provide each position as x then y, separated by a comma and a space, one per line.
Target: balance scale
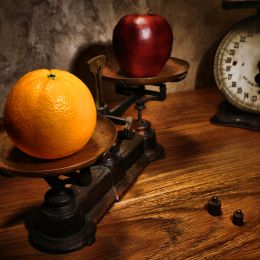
86, 184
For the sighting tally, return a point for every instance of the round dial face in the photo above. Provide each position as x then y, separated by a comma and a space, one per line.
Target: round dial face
237, 65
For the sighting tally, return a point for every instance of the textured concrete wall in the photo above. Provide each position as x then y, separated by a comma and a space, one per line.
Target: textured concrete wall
64, 33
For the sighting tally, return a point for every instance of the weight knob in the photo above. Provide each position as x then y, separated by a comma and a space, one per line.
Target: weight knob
238, 218
214, 206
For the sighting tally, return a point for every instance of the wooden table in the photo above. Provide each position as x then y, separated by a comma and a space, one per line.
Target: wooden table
163, 214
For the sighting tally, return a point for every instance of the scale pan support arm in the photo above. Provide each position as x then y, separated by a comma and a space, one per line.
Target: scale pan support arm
96, 66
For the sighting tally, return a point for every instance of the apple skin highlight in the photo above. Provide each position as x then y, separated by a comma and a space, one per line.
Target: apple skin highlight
142, 44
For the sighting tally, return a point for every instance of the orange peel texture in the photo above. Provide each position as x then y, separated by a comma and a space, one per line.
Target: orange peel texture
50, 114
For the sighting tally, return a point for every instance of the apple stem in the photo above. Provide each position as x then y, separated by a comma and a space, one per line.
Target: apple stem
149, 11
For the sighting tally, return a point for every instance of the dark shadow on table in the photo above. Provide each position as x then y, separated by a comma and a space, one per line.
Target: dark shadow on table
25, 215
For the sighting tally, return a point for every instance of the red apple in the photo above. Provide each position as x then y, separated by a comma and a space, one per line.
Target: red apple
142, 44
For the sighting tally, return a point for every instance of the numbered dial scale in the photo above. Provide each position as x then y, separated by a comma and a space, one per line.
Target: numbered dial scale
237, 65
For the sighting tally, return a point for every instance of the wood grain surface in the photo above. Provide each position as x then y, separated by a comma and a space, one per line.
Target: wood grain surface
163, 215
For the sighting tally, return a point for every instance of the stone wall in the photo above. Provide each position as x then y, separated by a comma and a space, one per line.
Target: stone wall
64, 33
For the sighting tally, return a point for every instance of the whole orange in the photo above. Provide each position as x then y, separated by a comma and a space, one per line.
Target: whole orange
49, 114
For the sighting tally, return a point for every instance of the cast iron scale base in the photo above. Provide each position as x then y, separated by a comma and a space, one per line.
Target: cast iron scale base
229, 115
85, 185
